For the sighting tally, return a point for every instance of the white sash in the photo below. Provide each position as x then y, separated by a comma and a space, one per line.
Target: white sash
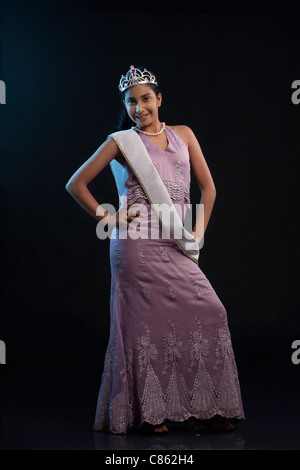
136, 155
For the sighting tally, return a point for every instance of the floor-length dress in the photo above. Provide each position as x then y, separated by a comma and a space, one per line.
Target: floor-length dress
169, 355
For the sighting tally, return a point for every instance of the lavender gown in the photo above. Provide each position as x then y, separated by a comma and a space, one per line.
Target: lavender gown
169, 355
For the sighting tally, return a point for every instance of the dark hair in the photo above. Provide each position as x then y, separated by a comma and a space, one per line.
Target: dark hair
124, 120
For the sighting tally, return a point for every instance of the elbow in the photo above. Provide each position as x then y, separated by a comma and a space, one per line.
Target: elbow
71, 186
213, 193
74, 187
209, 189
68, 186
212, 189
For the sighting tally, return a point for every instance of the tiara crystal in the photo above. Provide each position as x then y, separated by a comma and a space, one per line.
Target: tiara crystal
136, 76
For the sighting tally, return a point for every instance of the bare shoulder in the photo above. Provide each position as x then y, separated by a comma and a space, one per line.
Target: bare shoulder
185, 133
112, 146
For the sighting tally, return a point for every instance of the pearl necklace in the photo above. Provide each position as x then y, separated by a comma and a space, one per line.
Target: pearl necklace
152, 134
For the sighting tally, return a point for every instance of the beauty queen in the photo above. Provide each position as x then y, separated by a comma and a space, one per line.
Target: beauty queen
169, 355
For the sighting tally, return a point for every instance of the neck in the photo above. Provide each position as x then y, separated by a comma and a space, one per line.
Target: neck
153, 127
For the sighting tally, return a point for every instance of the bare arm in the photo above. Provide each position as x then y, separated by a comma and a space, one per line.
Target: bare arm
203, 177
77, 184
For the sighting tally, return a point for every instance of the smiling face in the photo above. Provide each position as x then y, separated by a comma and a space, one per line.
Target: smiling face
142, 104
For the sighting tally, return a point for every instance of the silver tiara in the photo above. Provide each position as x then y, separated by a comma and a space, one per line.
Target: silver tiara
136, 76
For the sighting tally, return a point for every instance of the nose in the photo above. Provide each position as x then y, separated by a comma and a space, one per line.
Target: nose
139, 108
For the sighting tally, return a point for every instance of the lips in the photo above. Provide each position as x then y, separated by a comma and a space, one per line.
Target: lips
142, 117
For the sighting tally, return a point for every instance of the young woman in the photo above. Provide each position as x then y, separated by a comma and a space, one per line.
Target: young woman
169, 356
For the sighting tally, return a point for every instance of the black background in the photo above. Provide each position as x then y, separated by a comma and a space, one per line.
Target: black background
228, 77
